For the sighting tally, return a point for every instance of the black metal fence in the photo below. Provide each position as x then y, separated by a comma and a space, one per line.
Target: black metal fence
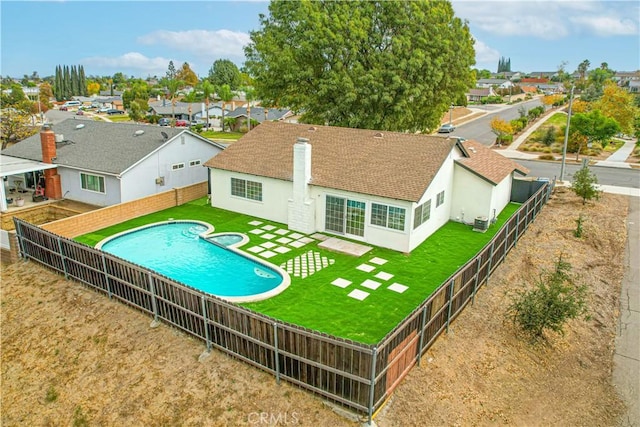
356, 375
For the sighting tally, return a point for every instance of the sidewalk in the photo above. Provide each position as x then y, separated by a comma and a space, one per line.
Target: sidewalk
626, 358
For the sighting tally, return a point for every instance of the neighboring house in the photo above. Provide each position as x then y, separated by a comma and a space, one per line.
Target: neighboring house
494, 83
529, 89
104, 164
386, 189
634, 86
259, 114
477, 95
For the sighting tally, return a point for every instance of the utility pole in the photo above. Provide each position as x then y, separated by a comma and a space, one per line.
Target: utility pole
566, 135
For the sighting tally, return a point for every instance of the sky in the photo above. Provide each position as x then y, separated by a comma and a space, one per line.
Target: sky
139, 38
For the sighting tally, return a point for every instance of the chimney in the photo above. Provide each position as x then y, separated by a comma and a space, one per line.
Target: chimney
301, 210
52, 186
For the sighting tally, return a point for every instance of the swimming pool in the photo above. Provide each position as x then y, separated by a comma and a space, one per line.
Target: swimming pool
182, 251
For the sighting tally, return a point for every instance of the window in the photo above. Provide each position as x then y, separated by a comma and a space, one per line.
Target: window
92, 182
177, 166
193, 163
247, 189
388, 216
422, 214
440, 199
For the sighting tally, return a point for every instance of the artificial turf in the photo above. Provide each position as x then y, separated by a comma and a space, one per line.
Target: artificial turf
313, 302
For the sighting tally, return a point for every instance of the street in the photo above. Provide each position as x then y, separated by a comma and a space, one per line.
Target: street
606, 175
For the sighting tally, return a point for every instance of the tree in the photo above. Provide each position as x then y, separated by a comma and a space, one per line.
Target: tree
207, 90
554, 300
93, 88
583, 68
617, 103
250, 96
225, 94
16, 125
504, 65
594, 126
501, 128
584, 185
225, 72
187, 75
549, 136
389, 65
137, 110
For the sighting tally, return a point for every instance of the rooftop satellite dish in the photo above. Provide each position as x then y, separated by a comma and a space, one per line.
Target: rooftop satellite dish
80, 126
138, 132
164, 135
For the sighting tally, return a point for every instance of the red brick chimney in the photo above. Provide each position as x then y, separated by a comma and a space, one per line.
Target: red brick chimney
52, 186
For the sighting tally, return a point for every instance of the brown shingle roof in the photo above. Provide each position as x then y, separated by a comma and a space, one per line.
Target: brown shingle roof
396, 165
485, 162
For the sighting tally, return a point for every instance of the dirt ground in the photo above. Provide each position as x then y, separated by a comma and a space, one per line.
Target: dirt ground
73, 357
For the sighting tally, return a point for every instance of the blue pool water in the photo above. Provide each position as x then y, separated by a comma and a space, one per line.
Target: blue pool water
226, 239
176, 251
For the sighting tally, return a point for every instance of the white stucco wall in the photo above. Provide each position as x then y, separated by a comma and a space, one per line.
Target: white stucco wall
472, 197
501, 196
440, 215
140, 181
275, 196
72, 188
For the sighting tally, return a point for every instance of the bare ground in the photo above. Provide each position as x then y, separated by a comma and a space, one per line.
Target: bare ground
73, 357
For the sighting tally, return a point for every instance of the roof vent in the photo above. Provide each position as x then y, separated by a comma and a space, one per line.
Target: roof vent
80, 126
313, 129
59, 137
472, 149
378, 135
138, 132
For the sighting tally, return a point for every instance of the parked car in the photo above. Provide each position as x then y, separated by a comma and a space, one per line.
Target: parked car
164, 121
182, 123
446, 128
103, 109
63, 108
80, 113
112, 111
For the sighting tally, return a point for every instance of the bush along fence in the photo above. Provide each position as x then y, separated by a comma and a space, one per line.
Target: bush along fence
355, 375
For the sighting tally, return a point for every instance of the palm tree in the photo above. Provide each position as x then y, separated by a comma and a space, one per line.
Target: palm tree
207, 90
225, 94
250, 95
173, 86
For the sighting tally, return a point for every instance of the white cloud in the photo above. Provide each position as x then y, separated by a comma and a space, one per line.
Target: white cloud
130, 61
485, 54
606, 25
203, 43
550, 20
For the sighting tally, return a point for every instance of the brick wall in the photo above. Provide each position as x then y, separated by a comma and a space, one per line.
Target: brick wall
110, 215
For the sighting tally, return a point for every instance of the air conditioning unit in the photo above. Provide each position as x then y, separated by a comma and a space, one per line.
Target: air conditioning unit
481, 224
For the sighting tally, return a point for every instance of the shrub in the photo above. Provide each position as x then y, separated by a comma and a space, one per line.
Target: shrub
549, 136
584, 185
554, 300
546, 157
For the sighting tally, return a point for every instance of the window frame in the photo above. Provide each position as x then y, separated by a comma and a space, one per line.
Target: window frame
245, 189
393, 216
102, 183
177, 166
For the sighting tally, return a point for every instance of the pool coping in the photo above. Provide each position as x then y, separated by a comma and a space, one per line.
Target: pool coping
209, 232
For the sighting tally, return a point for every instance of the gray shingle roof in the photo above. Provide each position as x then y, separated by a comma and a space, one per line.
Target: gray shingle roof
98, 146
394, 165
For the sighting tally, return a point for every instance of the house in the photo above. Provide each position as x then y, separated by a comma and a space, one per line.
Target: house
258, 114
477, 95
386, 189
103, 163
494, 83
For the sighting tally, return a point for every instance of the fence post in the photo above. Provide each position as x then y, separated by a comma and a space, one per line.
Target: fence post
490, 261
515, 243
153, 298
18, 226
372, 389
506, 239
424, 320
275, 353
64, 266
450, 303
475, 285
206, 325
106, 275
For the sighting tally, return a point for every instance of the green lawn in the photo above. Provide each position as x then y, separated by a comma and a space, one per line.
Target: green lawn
232, 136
313, 302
